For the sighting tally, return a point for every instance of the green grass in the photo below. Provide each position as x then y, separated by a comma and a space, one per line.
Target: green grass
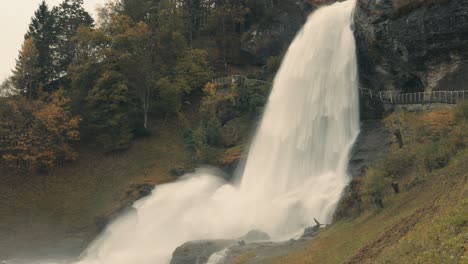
424, 225
427, 222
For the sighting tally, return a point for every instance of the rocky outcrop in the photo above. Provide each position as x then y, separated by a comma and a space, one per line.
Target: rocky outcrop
273, 35
373, 140
195, 252
199, 251
412, 45
270, 37
253, 247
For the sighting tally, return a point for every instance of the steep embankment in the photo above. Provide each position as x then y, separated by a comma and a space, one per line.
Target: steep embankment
425, 222
60, 212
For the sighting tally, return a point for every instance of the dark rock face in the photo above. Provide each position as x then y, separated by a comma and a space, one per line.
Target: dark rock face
271, 37
373, 140
412, 45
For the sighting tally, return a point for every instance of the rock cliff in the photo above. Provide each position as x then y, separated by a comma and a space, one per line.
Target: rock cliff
412, 45
271, 36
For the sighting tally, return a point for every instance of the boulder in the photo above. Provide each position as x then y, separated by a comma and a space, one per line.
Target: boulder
255, 236
235, 132
310, 232
195, 252
199, 251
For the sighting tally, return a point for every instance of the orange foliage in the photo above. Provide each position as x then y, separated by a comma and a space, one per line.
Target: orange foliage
431, 125
37, 134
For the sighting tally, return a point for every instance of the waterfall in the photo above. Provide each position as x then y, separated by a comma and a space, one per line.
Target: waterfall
296, 166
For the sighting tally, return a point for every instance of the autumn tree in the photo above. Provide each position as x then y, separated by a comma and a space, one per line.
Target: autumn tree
194, 69
38, 134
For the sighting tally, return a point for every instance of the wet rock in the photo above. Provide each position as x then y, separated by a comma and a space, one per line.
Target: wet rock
270, 38
310, 232
178, 172
199, 251
373, 140
254, 236
195, 252
412, 46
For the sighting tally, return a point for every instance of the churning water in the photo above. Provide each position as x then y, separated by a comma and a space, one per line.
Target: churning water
296, 167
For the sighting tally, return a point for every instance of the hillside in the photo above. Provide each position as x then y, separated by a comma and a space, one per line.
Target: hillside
426, 222
61, 211
98, 113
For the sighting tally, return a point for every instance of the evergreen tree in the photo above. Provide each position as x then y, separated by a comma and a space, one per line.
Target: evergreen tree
70, 17
27, 72
107, 111
41, 29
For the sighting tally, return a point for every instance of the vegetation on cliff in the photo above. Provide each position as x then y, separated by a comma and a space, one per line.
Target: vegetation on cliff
426, 221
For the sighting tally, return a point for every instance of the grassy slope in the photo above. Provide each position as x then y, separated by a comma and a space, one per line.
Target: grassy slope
58, 211
417, 226
426, 223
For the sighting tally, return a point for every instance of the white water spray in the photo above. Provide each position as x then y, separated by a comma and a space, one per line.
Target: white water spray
296, 167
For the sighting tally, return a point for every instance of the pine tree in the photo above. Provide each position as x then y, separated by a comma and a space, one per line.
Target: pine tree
41, 29
26, 73
70, 17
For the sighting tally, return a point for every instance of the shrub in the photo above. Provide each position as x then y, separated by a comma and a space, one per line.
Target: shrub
461, 112
374, 187
437, 155
385, 173
252, 97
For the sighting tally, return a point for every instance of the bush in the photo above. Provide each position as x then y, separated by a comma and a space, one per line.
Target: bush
461, 112
437, 155
385, 172
374, 187
252, 98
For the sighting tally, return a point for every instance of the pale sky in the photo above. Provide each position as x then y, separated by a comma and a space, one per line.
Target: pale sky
15, 16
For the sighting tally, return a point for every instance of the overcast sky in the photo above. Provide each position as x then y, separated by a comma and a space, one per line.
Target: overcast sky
15, 16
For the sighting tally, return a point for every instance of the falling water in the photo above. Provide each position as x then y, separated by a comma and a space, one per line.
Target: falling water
296, 167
